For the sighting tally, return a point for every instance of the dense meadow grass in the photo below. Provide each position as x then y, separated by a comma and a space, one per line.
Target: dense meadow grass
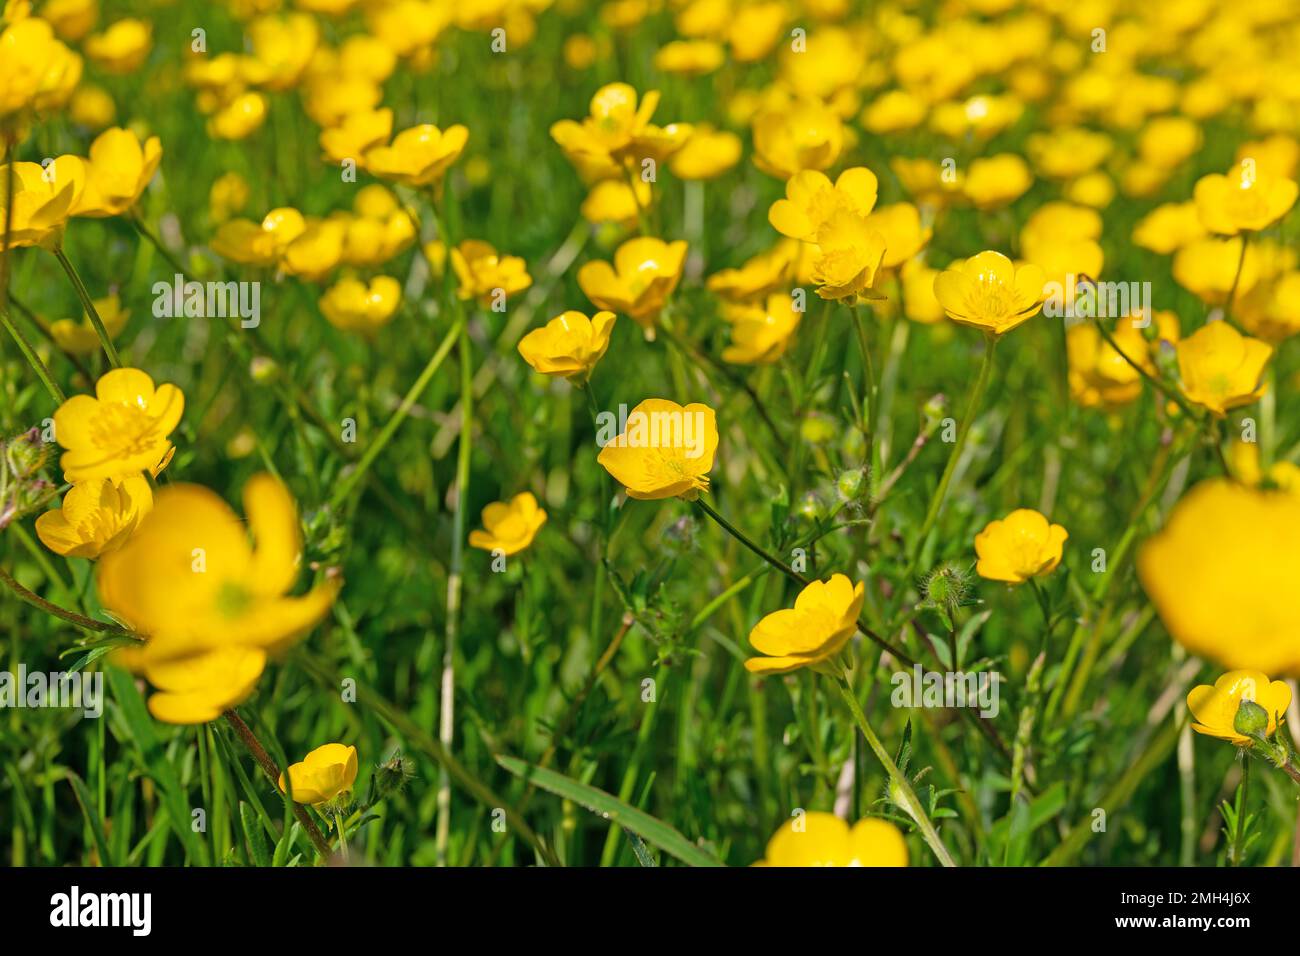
576, 692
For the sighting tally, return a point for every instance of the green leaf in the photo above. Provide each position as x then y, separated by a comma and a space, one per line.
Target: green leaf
650, 829
254, 835
143, 735
92, 817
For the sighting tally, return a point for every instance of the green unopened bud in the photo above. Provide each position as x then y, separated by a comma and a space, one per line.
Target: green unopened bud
947, 587
852, 484
262, 369
26, 454
812, 507
1251, 719
392, 775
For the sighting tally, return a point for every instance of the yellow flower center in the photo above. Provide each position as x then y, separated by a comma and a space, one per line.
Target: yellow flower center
124, 427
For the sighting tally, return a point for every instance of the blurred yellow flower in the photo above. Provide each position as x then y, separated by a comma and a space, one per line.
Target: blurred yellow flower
122, 47
1220, 369
121, 431
1067, 153
322, 775
996, 181
824, 617
805, 134
509, 527
1021, 546
643, 275
894, 111
1242, 202
706, 154
80, 337
1215, 708
418, 156
71, 19
39, 208
36, 70
229, 195
96, 517
239, 118
1168, 140
758, 276
761, 334
1208, 268
1221, 575
823, 839
486, 275
283, 47
689, 57
92, 107
198, 687
988, 292
900, 225
1168, 228
665, 451
355, 306
919, 302
613, 200
115, 175
189, 581
569, 345
357, 133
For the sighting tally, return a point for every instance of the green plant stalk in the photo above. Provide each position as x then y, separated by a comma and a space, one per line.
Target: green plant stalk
941, 492
455, 583
354, 477
899, 783
88, 304
1239, 831
633, 768
33, 359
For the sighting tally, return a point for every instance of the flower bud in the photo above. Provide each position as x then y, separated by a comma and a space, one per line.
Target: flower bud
392, 775
851, 484
1251, 719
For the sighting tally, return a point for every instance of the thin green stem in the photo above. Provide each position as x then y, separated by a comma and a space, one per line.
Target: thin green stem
33, 359
88, 304
900, 789
1239, 831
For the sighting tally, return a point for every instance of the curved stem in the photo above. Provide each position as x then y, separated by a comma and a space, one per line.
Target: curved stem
972, 408
72, 617
86, 303
794, 575
900, 787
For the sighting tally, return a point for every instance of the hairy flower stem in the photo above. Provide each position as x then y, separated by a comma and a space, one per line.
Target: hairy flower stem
963, 430
263, 759
341, 826
902, 790
36, 601
794, 575
104, 339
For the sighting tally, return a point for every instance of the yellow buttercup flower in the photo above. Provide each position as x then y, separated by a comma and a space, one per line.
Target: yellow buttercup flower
241, 117
80, 337
199, 687
1208, 268
229, 195
758, 276
900, 225
823, 839
96, 517
355, 135
689, 57
569, 345
1220, 369
354, 306
1067, 153
1242, 202
122, 47
988, 292
849, 256
36, 70
644, 273
284, 239
1215, 708
485, 274
122, 430
116, 174
71, 19
509, 527
39, 208
927, 182
418, 156
665, 451
919, 303
761, 334
1021, 546
811, 201
618, 132
1222, 572
322, 775
616, 201
824, 617
707, 154
805, 134
283, 47
189, 581
997, 181
1168, 228
894, 111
